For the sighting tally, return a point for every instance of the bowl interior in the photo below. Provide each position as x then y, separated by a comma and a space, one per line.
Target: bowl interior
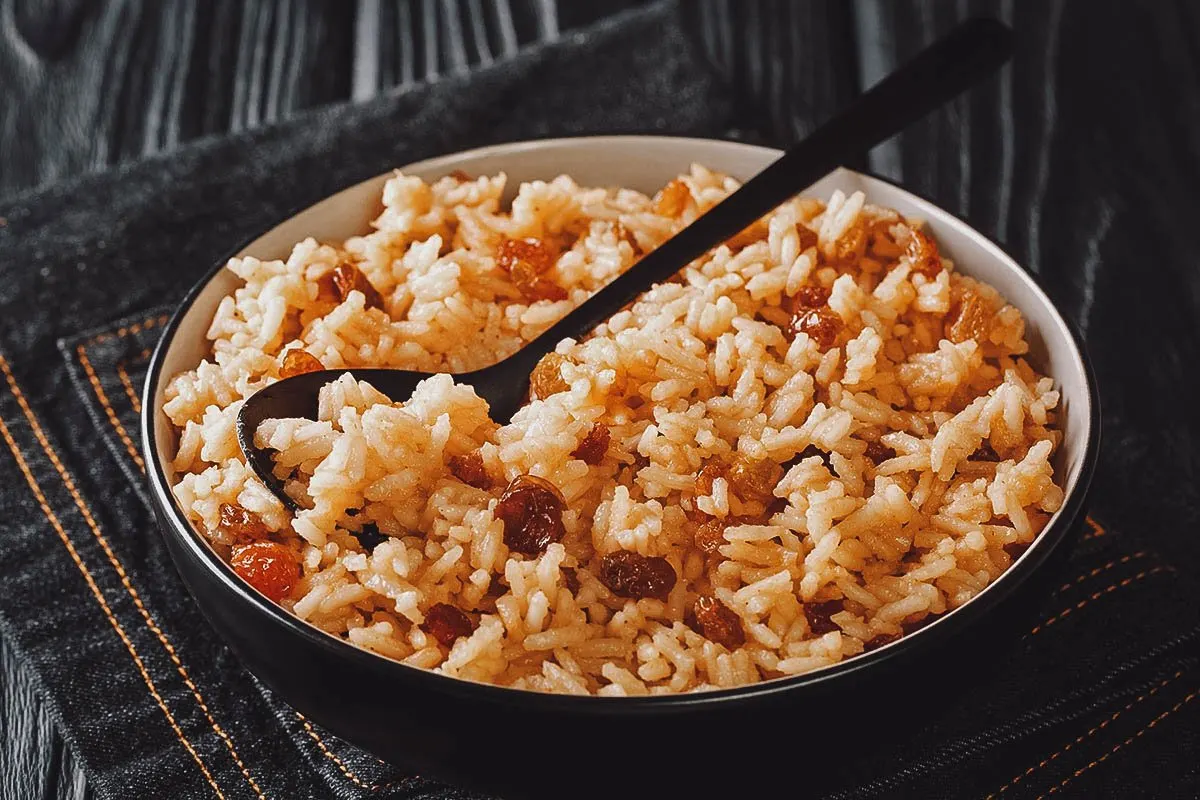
645, 164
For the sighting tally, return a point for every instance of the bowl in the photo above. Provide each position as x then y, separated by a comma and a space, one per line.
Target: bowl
528, 744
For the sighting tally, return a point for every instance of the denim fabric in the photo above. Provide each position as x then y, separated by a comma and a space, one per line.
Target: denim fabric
156, 706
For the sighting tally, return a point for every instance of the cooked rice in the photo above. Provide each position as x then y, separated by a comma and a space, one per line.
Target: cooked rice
966, 429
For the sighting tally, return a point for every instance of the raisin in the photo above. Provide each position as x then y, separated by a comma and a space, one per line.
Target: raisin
752, 233
267, 566
239, 525
326, 288
985, 453
629, 574
446, 623
714, 620
879, 452
570, 579
712, 469
880, 640
347, 278
808, 237
460, 176
672, 199
849, 247
923, 254
754, 479
547, 377
299, 362
531, 509
821, 324
525, 260
818, 616
810, 296
594, 446
710, 536
470, 470
968, 319
635, 401
370, 536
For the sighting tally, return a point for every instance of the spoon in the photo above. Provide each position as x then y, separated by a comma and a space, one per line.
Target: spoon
945, 69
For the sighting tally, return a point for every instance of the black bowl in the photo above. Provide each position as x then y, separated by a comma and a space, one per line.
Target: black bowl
521, 743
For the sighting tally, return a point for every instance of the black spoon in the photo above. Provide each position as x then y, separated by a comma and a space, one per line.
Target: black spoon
940, 72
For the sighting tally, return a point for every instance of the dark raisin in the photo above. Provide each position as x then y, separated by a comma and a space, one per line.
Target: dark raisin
923, 254
881, 640
672, 199
446, 623
470, 470
878, 452
808, 237
818, 616
570, 579
531, 509
985, 453
629, 574
239, 525
547, 377
369, 536
267, 566
821, 324
347, 278
460, 176
299, 362
968, 319
754, 479
594, 445
810, 296
710, 536
714, 620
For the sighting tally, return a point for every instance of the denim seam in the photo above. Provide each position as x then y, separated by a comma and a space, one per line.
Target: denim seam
126, 582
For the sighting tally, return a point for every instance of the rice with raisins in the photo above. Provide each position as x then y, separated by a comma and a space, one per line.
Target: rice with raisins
818, 437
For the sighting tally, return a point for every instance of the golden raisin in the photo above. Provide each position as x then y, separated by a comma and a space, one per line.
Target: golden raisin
880, 640
267, 566
749, 235
446, 623
594, 445
821, 324
298, 362
714, 620
968, 319
923, 254
629, 574
712, 469
810, 296
525, 260
710, 536
547, 377
849, 247
470, 470
347, 278
531, 509
239, 525
754, 479
878, 452
326, 288
818, 616
672, 199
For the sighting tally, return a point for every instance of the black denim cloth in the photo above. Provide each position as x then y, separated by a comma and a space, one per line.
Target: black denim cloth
156, 706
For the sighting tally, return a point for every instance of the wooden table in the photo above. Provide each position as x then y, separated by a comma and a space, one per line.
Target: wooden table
87, 85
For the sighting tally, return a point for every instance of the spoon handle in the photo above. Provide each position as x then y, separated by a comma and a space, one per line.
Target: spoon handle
943, 70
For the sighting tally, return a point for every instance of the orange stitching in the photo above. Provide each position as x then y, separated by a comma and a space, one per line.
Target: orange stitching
1098, 570
1097, 529
1101, 726
1106, 590
87, 576
1137, 735
332, 756
120, 570
121, 333
108, 409
130, 392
